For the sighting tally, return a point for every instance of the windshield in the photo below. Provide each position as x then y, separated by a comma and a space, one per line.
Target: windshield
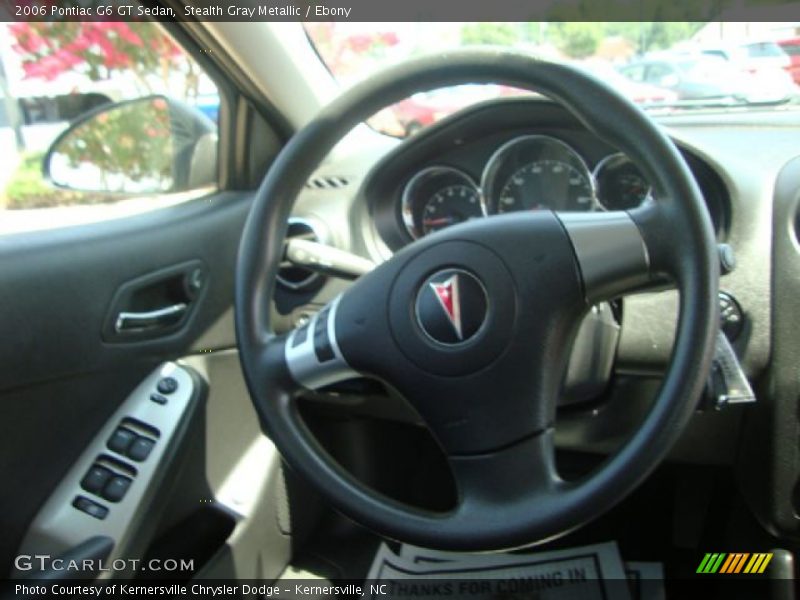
662, 66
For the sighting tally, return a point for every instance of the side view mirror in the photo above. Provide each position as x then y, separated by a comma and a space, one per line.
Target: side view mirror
151, 145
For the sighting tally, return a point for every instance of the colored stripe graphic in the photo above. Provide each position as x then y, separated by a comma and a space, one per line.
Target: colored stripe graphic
730, 564
765, 562
710, 563
727, 564
735, 562
703, 563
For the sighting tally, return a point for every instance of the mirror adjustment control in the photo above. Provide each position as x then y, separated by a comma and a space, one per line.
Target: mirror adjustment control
95, 479
116, 488
98, 511
121, 440
158, 398
167, 385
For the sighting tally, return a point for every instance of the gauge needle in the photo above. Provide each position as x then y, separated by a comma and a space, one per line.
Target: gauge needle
439, 221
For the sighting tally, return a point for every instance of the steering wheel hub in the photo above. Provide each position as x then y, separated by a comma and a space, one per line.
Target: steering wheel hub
482, 301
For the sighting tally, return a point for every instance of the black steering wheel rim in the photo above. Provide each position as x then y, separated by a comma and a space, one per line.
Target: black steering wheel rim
495, 515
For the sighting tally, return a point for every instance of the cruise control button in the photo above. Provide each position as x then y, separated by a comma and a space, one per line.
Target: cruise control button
140, 449
95, 479
116, 488
98, 511
167, 385
121, 440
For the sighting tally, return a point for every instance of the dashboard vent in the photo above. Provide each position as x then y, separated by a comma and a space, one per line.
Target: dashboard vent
296, 278
327, 183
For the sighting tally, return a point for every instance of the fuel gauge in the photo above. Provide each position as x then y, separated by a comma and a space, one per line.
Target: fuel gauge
620, 183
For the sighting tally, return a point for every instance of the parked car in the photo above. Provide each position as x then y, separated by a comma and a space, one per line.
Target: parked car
703, 77
420, 110
792, 48
638, 91
752, 57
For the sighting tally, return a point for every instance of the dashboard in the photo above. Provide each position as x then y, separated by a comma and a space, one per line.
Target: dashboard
494, 160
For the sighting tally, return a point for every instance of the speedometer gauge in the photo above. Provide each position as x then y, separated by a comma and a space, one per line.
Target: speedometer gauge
537, 172
546, 184
438, 197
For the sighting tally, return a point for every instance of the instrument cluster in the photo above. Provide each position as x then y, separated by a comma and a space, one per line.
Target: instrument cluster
529, 172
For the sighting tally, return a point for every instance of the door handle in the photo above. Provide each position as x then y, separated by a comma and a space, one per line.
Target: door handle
149, 320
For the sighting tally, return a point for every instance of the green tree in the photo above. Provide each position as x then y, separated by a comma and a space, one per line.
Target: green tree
578, 39
496, 34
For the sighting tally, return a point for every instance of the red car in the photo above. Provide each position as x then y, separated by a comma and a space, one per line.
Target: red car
420, 110
792, 48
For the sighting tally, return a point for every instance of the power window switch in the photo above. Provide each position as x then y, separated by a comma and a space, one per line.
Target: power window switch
121, 440
95, 479
91, 508
116, 488
140, 449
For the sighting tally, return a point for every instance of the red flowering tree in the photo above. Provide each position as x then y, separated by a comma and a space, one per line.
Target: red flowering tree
99, 50
347, 53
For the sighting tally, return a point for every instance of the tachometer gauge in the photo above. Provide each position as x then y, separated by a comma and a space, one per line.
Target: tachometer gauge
537, 172
438, 197
620, 183
451, 205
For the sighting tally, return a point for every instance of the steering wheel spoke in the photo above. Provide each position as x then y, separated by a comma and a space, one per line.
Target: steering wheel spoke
515, 475
612, 255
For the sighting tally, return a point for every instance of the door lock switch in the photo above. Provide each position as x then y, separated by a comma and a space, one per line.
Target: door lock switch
91, 508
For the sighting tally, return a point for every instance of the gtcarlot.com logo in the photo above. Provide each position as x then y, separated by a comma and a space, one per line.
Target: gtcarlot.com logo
734, 563
41, 562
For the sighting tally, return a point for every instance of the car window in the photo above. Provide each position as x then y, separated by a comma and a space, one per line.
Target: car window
353, 51
100, 120
634, 72
763, 50
657, 71
718, 53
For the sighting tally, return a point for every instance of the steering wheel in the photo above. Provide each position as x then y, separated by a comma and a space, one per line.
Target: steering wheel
473, 325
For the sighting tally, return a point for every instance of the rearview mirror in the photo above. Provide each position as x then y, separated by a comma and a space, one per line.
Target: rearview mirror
151, 145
